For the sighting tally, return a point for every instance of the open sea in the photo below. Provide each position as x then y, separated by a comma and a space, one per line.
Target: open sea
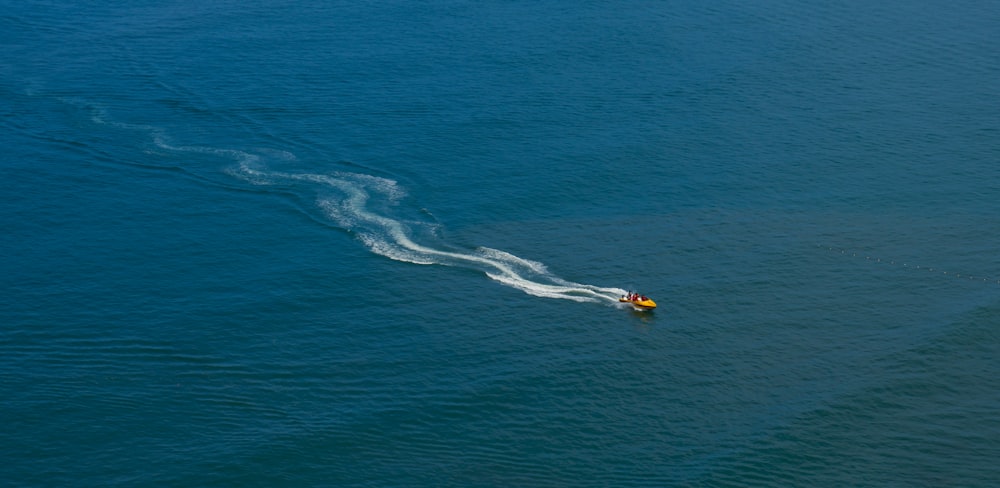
380, 244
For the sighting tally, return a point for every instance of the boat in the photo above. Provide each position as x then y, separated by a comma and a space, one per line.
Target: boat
640, 302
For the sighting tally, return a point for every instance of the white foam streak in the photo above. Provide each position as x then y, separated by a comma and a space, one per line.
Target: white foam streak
391, 238
537, 289
344, 198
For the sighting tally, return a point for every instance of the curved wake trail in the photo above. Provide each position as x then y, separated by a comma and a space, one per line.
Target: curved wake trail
350, 200
346, 201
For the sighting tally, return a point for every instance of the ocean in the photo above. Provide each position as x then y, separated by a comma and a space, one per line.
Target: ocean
331, 243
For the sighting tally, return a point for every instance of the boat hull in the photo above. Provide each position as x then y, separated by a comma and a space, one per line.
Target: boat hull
639, 304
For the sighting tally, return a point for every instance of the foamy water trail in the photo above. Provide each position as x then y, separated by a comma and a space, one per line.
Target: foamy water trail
347, 200
350, 200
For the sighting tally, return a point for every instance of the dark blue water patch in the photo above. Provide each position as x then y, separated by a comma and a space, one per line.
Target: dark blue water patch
921, 398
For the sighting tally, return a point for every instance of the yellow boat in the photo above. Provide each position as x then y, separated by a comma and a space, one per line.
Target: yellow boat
638, 301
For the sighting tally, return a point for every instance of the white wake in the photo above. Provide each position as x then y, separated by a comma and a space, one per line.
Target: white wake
350, 200
346, 200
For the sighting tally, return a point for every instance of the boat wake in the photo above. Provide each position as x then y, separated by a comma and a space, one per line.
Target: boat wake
365, 205
350, 199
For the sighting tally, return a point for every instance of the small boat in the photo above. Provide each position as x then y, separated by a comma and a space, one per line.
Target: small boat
638, 301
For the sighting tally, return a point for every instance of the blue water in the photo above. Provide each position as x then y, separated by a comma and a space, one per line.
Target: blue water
381, 244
